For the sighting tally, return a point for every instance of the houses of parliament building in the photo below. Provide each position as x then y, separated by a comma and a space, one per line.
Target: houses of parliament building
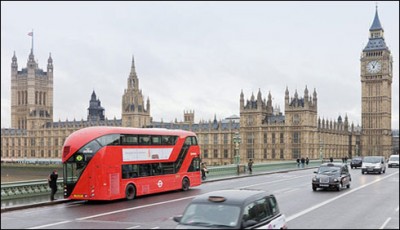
264, 133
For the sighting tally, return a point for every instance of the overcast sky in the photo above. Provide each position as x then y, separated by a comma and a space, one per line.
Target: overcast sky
197, 55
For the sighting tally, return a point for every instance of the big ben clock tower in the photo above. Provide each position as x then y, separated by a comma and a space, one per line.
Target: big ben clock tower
376, 98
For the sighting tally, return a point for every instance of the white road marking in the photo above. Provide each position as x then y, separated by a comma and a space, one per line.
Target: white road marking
48, 225
109, 213
386, 222
133, 227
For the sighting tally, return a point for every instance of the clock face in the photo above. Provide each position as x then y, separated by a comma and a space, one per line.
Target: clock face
373, 67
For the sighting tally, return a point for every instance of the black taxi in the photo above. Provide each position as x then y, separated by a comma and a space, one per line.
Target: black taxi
331, 175
232, 209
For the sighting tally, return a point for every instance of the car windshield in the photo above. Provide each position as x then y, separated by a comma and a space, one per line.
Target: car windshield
329, 170
211, 215
357, 159
372, 159
394, 158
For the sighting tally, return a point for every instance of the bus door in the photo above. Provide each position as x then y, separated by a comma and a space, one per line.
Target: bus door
114, 176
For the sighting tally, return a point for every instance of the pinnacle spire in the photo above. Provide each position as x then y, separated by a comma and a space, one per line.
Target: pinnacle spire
376, 24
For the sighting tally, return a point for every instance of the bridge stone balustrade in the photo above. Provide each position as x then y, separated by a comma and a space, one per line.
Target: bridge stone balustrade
22, 189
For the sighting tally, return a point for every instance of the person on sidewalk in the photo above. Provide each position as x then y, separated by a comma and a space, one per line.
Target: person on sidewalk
303, 161
204, 170
250, 166
53, 183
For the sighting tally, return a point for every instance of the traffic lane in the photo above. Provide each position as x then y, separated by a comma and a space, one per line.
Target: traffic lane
163, 221
95, 214
296, 195
141, 219
367, 206
82, 211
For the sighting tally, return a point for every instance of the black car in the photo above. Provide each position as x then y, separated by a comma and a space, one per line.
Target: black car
331, 175
232, 209
356, 162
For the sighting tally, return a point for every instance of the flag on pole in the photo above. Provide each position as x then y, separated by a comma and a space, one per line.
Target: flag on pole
30, 34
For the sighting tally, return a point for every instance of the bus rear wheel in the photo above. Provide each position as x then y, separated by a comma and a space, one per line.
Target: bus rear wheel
130, 192
185, 184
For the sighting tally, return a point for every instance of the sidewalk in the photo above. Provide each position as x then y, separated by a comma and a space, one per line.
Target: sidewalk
28, 202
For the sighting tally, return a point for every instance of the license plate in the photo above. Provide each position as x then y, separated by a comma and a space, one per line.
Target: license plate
324, 185
370, 169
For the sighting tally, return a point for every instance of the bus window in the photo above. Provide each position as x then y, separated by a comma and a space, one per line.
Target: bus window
144, 140
165, 140
129, 140
168, 140
194, 141
195, 165
155, 140
190, 141
156, 169
144, 170
134, 172
112, 139
125, 171
168, 168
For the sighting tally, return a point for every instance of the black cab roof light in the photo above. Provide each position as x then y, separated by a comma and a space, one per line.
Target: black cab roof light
216, 198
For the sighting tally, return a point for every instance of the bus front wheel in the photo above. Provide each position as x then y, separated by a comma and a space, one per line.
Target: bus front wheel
130, 192
185, 184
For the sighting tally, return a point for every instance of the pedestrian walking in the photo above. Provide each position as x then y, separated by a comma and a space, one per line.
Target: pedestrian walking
298, 162
250, 166
204, 170
53, 183
302, 162
307, 161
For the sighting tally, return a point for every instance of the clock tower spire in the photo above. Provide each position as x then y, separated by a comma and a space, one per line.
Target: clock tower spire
376, 93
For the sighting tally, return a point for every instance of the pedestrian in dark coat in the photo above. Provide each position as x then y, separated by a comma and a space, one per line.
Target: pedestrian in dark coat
53, 183
302, 162
250, 166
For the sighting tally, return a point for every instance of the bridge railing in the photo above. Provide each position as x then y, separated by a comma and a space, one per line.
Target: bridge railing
232, 170
22, 189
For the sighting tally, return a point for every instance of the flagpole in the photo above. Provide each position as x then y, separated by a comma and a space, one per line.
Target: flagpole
32, 40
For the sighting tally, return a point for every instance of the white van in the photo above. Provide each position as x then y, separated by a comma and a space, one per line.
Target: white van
393, 161
373, 164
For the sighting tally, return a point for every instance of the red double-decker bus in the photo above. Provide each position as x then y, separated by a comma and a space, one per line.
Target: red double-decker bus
107, 163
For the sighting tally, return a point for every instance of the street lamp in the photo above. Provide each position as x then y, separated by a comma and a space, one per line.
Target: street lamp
357, 154
237, 141
321, 143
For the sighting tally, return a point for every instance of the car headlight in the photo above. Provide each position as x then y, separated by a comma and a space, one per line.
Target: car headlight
336, 180
314, 179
